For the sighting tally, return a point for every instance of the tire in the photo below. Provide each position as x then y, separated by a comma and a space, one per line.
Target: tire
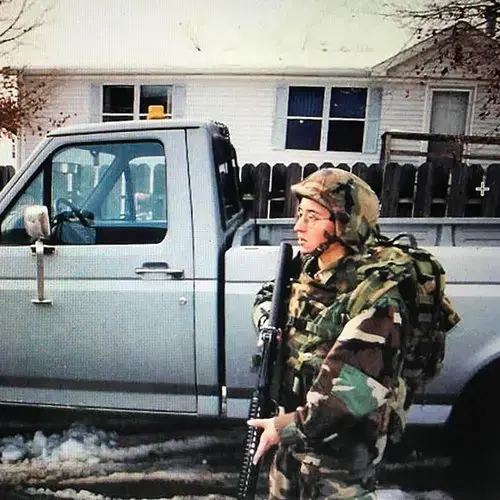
474, 437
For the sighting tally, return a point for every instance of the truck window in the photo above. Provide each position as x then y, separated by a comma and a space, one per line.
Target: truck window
227, 170
12, 225
106, 193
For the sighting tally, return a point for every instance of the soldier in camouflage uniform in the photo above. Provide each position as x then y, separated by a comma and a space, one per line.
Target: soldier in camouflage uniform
340, 374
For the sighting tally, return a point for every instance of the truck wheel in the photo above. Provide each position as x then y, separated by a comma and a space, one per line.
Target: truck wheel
474, 432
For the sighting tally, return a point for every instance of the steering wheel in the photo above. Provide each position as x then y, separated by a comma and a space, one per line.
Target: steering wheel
66, 215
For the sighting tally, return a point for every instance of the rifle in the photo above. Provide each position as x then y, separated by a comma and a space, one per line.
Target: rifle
262, 404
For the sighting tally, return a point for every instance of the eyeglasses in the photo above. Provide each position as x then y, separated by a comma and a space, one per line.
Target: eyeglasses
310, 218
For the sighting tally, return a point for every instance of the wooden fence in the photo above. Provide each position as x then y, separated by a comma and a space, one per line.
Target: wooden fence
427, 190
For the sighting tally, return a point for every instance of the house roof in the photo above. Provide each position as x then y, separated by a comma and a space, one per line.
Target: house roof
224, 36
429, 44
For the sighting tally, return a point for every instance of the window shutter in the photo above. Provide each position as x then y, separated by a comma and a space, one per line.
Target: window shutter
373, 120
178, 101
95, 103
280, 114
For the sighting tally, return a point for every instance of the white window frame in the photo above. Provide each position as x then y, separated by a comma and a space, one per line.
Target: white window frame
326, 118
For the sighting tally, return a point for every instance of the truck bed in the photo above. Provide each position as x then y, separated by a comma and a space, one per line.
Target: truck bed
468, 251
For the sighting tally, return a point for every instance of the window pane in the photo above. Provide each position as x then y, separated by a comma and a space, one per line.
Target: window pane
227, 177
118, 99
113, 187
12, 226
305, 101
303, 134
348, 102
117, 118
345, 135
156, 94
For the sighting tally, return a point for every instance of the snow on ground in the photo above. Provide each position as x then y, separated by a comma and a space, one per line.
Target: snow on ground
87, 444
83, 455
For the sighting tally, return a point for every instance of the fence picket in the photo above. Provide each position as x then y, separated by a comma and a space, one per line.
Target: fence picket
491, 202
432, 189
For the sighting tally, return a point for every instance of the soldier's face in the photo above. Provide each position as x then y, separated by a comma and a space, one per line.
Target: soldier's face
310, 225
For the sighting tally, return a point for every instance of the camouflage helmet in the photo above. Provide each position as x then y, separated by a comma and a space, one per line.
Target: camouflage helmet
350, 199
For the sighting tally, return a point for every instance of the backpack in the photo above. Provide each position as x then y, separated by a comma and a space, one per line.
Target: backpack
420, 278
394, 265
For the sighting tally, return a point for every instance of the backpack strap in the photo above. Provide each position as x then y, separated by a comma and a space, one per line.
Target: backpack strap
378, 278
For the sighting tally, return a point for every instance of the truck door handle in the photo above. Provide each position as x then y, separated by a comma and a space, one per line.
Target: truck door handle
150, 268
47, 249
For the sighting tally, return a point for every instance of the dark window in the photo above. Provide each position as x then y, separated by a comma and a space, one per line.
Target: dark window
228, 182
348, 103
346, 126
303, 134
119, 102
306, 101
118, 99
344, 118
155, 95
305, 111
117, 118
345, 135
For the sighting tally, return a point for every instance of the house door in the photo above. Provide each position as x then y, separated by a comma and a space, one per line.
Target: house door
448, 116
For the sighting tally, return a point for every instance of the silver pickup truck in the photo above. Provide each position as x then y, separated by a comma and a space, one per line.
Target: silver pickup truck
139, 297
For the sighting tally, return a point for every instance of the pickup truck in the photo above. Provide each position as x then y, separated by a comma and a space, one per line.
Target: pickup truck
139, 297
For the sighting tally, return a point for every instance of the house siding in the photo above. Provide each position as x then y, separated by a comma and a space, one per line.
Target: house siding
403, 110
245, 106
485, 127
246, 103
68, 97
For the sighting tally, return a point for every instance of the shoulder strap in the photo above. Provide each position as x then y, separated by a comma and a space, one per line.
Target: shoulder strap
390, 267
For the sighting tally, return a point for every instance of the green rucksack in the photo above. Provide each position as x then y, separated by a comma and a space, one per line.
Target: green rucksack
420, 278
392, 267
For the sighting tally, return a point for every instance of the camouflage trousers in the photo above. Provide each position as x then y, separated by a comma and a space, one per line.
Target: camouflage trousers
308, 476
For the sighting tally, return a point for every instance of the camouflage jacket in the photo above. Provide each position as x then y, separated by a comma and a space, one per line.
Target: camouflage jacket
339, 372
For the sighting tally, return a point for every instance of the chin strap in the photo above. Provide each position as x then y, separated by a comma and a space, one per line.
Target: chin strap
329, 240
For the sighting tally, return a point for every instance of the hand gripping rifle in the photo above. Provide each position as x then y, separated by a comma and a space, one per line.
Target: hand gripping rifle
262, 404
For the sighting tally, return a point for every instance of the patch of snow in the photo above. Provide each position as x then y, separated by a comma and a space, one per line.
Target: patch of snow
83, 455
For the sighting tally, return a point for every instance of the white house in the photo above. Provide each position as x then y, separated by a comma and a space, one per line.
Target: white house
282, 113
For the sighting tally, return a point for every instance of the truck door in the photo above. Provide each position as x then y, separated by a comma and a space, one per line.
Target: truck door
115, 329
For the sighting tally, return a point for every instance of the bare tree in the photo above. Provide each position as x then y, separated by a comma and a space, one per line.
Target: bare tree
465, 38
21, 101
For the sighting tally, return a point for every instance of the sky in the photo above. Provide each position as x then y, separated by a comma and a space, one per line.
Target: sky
135, 34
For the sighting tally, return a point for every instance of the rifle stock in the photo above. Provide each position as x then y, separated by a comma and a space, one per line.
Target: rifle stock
261, 403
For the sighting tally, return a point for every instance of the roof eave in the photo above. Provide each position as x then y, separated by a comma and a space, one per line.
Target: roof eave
197, 71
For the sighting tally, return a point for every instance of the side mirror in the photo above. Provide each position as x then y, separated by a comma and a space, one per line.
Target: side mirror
36, 221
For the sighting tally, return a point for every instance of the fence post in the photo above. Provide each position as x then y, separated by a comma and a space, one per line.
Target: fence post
390, 190
277, 191
293, 175
423, 196
247, 186
261, 194
491, 205
309, 169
